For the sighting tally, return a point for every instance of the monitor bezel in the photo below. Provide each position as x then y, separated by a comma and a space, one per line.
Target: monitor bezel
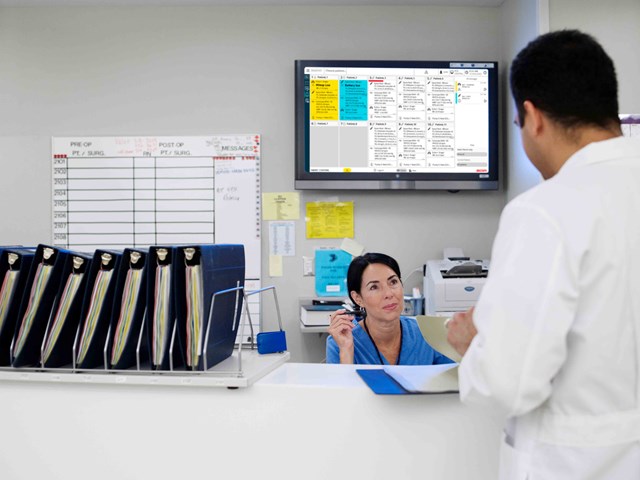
305, 180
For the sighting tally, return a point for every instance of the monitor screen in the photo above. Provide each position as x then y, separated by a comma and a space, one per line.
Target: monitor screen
396, 125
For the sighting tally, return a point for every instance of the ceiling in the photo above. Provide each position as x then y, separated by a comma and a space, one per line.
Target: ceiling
120, 3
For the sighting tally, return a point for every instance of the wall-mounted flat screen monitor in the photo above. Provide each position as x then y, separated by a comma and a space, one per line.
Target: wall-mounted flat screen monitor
396, 125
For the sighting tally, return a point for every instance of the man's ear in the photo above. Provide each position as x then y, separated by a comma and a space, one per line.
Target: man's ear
535, 118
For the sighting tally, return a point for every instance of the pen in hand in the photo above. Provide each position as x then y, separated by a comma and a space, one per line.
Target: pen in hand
349, 309
356, 310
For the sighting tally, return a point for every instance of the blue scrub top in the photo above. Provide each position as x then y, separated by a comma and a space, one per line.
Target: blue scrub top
414, 350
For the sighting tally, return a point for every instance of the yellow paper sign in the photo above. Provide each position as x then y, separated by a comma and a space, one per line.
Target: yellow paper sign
281, 206
329, 219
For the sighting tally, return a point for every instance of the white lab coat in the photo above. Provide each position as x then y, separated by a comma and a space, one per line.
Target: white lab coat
558, 344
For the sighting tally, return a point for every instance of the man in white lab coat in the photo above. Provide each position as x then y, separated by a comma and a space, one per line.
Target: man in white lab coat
554, 340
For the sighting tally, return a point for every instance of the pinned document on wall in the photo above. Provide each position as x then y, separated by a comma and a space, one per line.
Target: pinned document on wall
329, 219
282, 238
281, 206
282, 242
351, 246
331, 267
275, 265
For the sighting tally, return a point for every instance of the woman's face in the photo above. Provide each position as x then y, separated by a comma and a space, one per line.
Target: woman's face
381, 292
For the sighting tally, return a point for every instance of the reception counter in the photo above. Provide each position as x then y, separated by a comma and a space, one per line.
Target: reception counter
301, 421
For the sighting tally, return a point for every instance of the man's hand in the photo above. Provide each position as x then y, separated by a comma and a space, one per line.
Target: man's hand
461, 330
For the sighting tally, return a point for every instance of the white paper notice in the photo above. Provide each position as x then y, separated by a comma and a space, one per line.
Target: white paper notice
282, 238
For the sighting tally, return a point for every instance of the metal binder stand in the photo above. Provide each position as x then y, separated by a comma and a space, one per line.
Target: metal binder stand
271, 342
140, 337
247, 314
210, 376
239, 292
54, 308
173, 344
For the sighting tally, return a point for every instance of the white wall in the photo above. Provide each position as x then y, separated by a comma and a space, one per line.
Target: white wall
522, 21
72, 71
616, 25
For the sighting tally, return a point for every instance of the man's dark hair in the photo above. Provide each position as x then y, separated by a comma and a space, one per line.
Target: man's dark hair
569, 76
358, 265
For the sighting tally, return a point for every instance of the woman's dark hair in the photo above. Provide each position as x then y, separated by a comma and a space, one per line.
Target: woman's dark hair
569, 76
358, 265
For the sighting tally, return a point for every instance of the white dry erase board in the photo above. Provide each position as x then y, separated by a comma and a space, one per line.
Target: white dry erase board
118, 192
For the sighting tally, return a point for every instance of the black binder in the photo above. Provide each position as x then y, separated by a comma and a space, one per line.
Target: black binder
97, 307
222, 267
57, 347
160, 309
37, 303
130, 303
18, 261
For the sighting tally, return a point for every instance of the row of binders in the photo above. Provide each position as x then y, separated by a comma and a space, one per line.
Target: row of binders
109, 310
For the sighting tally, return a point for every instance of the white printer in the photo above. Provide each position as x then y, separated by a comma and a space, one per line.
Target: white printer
453, 284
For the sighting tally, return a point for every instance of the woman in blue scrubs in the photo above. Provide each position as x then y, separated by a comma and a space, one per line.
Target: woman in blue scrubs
376, 333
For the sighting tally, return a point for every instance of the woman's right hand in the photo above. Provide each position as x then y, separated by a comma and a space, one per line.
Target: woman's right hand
340, 329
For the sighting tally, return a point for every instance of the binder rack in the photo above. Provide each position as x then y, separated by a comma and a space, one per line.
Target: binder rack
233, 372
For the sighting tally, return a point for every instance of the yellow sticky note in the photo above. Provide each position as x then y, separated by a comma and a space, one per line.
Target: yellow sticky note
281, 206
329, 219
275, 265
